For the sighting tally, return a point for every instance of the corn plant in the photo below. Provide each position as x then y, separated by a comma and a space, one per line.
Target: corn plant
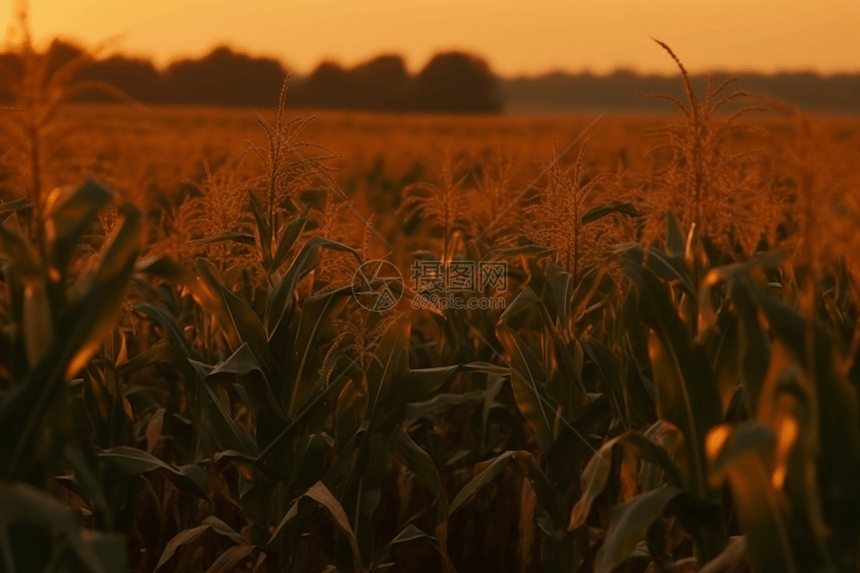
58, 308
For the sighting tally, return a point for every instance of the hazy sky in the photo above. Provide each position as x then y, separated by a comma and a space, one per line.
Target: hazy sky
516, 36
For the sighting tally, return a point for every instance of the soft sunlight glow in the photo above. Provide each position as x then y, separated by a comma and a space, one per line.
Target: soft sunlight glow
516, 38
715, 440
786, 436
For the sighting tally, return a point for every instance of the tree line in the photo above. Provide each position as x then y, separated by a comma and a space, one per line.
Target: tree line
452, 82
625, 90
449, 82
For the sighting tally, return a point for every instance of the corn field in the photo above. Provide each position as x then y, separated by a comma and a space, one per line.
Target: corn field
190, 382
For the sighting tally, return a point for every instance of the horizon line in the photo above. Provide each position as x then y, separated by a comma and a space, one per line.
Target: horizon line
162, 63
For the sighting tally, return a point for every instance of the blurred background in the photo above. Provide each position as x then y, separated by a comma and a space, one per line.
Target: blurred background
450, 57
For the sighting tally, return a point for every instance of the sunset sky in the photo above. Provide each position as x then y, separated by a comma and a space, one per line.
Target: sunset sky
516, 36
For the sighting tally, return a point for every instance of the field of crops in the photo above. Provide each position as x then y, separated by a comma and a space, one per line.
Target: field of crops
231, 339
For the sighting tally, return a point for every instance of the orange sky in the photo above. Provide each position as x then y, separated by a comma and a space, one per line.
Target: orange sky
516, 36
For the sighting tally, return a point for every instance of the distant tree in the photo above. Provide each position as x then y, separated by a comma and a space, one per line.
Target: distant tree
60, 53
224, 77
73, 60
137, 77
329, 85
382, 83
11, 67
457, 82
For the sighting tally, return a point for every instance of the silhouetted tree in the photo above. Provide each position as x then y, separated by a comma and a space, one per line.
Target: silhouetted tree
329, 85
450, 82
60, 53
382, 83
457, 82
11, 67
224, 77
137, 77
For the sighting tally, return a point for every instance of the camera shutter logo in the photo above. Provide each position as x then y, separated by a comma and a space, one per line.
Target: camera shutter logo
376, 285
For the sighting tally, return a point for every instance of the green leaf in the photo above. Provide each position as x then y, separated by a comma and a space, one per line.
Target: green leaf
281, 301
409, 533
675, 240
312, 461
230, 559
485, 472
609, 367
420, 464
308, 408
182, 538
84, 324
529, 381
103, 300
597, 472
763, 512
601, 211
440, 405
110, 548
263, 230
391, 361
157, 355
652, 473
687, 395
167, 268
423, 382
288, 239
318, 313
241, 238
524, 462
23, 503
546, 494
561, 287
36, 322
90, 485
13, 206
68, 221
133, 461
189, 535
228, 433
837, 400
321, 494
628, 523
168, 323
21, 255
733, 558
665, 267
243, 364
534, 250
244, 320
565, 384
